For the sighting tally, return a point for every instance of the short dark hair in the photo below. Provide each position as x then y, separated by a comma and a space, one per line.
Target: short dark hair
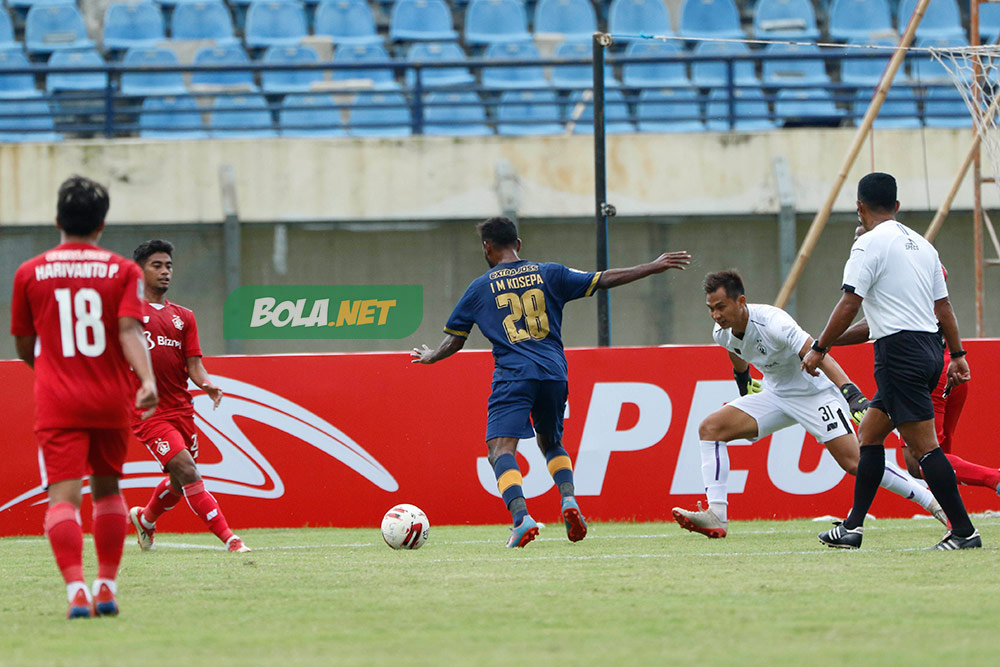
82, 206
730, 280
499, 231
877, 191
149, 248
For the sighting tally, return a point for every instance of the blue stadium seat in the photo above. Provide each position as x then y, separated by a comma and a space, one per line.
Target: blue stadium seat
346, 22
616, 116
424, 52
750, 110
170, 118
528, 112
898, 112
240, 116
710, 74
859, 19
667, 75
868, 71
49, 28
421, 20
630, 18
942, 19
381, 77
488, 21
145, 83
380, 114
669, 110
711, 18
576, 19
290, 81
784, 19
7, 40
526, 76
202, 20
989, 22
16, 85
925, 69
223, 55
797, 69
310, 116
275, 22
64, 81
804, 105
127, 25
578, 76
26, 120
455, 113
944, 107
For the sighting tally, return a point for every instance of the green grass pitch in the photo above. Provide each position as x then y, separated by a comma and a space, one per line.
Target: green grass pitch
631, 593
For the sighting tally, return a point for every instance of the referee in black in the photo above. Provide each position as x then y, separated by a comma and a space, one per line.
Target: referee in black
895, 273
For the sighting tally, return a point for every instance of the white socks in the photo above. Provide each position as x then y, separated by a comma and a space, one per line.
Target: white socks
73, 587
899, 482
715, 475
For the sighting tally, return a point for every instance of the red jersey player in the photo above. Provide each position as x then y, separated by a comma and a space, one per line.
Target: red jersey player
77, 320
169, 435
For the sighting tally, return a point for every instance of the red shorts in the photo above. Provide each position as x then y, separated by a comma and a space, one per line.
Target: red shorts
947, 411
168, 437
80, 452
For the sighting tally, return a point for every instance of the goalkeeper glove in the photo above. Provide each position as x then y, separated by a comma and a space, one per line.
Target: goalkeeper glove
745, 383
856, 401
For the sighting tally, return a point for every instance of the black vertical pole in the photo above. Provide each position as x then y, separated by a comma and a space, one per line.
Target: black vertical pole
601, 41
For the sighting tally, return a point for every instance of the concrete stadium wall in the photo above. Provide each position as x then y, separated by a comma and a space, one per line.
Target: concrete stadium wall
445, 257
442, 178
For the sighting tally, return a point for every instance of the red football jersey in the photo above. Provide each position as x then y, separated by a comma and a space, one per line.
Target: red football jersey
71, 297
172, 337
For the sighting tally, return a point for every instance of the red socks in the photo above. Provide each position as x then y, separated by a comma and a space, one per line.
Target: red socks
110, 526
164, 498
974, 475
206, 507
62, 526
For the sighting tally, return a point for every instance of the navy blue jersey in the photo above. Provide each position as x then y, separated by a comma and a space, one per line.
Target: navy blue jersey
518, 307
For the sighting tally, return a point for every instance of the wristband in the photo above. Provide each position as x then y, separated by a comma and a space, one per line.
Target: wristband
743, 380
817, 348
956, 355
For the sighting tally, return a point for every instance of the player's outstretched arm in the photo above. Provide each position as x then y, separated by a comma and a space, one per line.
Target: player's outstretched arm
958, 368
857, 402
843, 314
137, 354
855, 335
668, 260
25, 346
198, 375
449, 346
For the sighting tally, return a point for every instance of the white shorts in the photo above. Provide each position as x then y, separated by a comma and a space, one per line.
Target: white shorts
823, 415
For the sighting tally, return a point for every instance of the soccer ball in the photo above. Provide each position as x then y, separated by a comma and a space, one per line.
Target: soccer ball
405, 527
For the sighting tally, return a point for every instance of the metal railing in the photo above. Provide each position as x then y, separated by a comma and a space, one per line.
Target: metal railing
415, 105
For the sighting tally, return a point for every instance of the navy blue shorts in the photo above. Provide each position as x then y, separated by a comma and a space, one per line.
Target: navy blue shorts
908, 366
517, 405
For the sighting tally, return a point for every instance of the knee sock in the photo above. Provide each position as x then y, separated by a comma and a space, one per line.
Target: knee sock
164, 498
871, 469
206, 508
715, 475
940, 477
62, 527
110, 527
561, 469
509, 482
973, 474
899, 482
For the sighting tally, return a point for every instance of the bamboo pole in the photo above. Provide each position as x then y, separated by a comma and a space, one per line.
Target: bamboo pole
819, 222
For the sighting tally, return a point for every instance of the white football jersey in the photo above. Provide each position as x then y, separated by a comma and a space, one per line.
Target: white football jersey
771, 344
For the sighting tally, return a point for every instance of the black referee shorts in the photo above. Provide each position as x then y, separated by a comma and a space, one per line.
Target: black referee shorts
908, 365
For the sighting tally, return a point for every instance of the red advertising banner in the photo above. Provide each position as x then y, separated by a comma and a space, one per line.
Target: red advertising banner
335, 440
